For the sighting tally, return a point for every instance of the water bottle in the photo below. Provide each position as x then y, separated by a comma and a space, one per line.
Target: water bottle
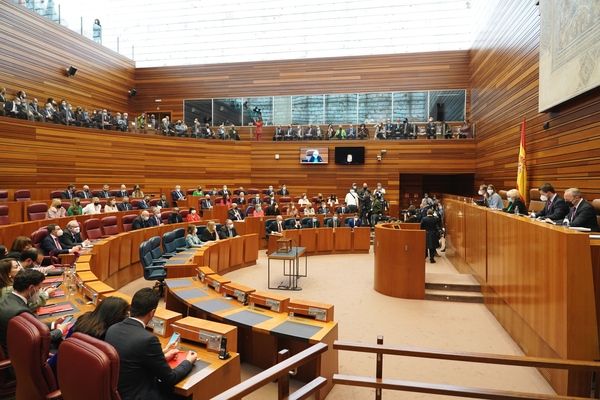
517, 210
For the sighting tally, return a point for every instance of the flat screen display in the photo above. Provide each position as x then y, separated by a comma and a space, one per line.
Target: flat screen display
314, 155
349, 155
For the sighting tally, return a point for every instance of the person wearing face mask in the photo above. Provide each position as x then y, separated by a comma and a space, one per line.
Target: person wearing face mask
155, 217
228, 230
555, 208
9, 267
303, 200
206, 203
494, 200
210, 233
93, 208
354, 221
581, 214
273, 210
51, 243
72, 236
283, 191
175, 216
162, 203
75, 207
192, 215
125, 205
142, 221
27, 284
515, 204
484, 196
192, 239
85, 193
351, 200
56, 210
33, 258
334, 222
234, 213
258, 211
111, 206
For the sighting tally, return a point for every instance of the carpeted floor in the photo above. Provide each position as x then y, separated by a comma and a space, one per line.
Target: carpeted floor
347, 282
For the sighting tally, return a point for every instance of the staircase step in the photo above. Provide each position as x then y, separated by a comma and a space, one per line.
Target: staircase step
453, 295
452, 282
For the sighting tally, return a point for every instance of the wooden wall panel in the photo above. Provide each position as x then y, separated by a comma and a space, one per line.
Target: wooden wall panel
46, 156
35, 53
419, 71
504, 89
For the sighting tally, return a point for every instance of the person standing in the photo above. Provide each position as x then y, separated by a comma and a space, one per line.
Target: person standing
431, 225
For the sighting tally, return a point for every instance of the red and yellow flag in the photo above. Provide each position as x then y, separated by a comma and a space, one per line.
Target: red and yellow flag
522, 170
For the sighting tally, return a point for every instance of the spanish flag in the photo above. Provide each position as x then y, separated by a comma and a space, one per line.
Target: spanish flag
522, 170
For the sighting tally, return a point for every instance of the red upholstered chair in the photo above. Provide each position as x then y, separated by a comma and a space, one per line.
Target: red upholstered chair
56, 194
110, 225
135, 203
285, 199
184, 213
37, 211
88, 368
31, 340
22, 195
153, 202
190, 192
92, 228
3, 195
128, 222
164, 216
7, 382
4, 220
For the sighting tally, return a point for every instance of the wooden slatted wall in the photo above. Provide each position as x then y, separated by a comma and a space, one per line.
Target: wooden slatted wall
504, 89
36, 52
420, 71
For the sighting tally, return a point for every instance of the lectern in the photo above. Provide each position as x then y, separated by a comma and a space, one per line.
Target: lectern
399, 261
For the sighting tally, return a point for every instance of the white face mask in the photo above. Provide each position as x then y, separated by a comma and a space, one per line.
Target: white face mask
144, 218
59, 233
230, 226
543, 197
510, 199
490, 191
157, 216
76, 229
481, 192
193, 211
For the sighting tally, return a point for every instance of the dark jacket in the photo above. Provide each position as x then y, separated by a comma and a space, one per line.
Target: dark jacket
49, 246
139, 223
556, 210
431, 225
142, 362
175, 218
224, 232
584, 216
512, 207
69, 240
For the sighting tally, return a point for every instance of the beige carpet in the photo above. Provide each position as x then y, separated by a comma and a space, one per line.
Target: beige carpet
347, 282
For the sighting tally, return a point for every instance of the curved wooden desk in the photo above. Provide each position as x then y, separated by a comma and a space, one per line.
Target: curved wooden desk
400, 260
539, 280
326, 240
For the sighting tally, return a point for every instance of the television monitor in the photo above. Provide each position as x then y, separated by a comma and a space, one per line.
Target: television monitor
350, 155
314, 155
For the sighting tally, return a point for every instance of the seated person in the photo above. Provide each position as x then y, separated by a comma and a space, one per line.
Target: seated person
515, 203
309, 210
181, 128
315, 157
51, 243
258, 211
144, 203
92, 208
241, 201
210, 233
125, 205
192, 239
555, 208
351, 132
465, 130
343, 209
109, 312
162, 202
72, 236
221, 132
323, 209
69, 193
234, 213
278, 134
33, 258
228, 230
233, 133
340, 133
123, 192
155, 217
334, 222
175, 216
273, 209
56, 210
430, 128
111, 206
354, 221
206, 133
141, 221
177, 194
303, 200
137, 192
9, 267
582, 214
27, 285
192, 215
290, 133
144, 369
277, 227
297, 223
85, 193
494, 200
292, 211
206, 203
198, 192
363, 132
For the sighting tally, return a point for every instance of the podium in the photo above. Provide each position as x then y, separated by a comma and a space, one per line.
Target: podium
399, 261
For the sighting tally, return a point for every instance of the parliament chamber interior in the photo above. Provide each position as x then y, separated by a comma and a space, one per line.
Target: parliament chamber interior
266, 200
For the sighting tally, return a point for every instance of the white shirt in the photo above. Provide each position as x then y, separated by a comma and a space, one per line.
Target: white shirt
92, 209
351, 199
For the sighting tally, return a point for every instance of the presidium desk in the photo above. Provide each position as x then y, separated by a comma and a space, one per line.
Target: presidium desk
539, 280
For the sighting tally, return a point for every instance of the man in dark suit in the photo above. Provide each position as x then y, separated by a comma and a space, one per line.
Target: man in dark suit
334, 222
431, 225
51, 243
125, 205
210, 233
323, 209
26, 285
228, 230
278, 227
72, 236
144, 203
162, 203
175, 217
177, 194
206, 203
155, 217
85, 193
69, 193
105, 192
142, 221
283, 191
343, 209
123, 192
582, 213
144, 370
354, 221
234, 213
555, 208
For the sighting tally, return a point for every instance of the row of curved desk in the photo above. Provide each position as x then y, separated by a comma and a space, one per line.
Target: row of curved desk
541, 281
